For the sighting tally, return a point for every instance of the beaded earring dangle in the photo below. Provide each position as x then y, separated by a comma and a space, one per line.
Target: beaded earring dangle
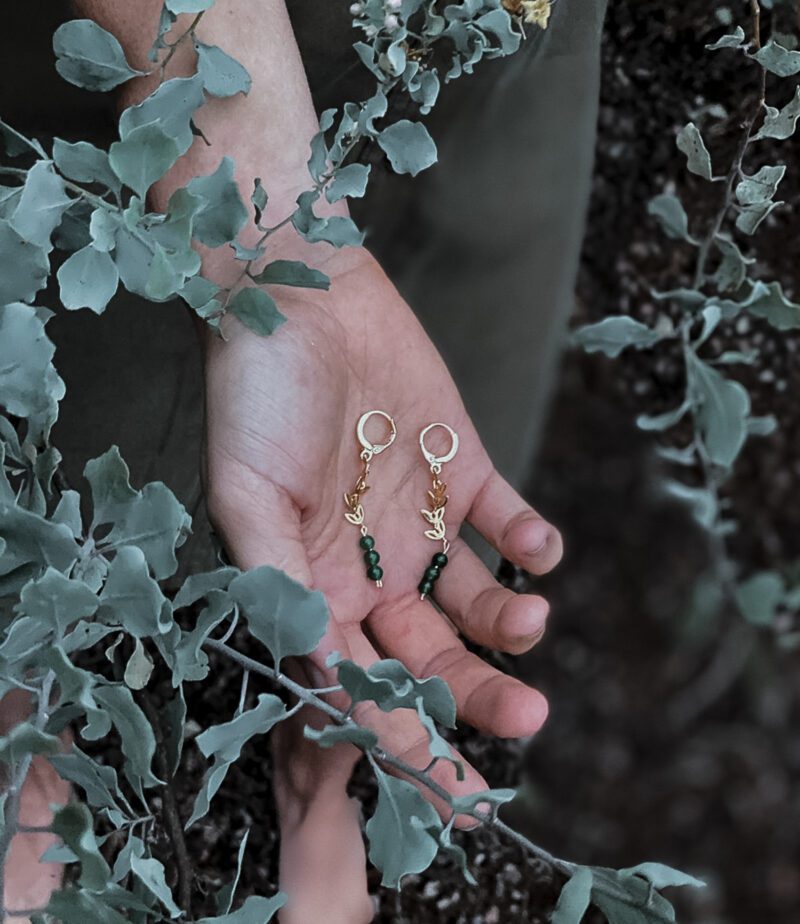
437, 502
352, 499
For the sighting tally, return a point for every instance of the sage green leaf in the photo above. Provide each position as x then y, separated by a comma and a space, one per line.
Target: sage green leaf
455, 852
68, 512
74, 825
348, 181
32, 540
29, 384
197, 586
224, 214
150, 872
71, 906
139, 668
661, 876
398, 832
132, 599
173, 714
165, 278
337, 230
575, 898
390, 685
768, 301
56, 601
702, 502
143, 157
761, 187
629, 899
721, 412
224, 898
23, 638
488, 801
734, 40
669, 212
221, 74
438, 747
498, 23
409, 146
698, 160
25, 739
90, 57
292, 273
750, 217
780, 123
176, 7
776, 59
103, 228
259, 199
732, 270
255, 910
24, 267
331, 735
758, 597
108, 478
84, 163
155, 522
73, 232
256, 309
762, 426
77, 686
189, 661
171, 106
198, 292
224, 744
136, 735
41, 206
98, 781
614, 334
88, 279
282, 614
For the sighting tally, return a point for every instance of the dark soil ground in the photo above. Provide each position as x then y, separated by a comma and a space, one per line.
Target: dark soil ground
673, 729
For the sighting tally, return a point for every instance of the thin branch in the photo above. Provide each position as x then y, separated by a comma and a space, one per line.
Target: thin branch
377, 754
172, 816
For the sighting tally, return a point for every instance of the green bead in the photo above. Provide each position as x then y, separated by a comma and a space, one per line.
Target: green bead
366, 542
425, 587
374, 572
431, 574
439, 560
372, 557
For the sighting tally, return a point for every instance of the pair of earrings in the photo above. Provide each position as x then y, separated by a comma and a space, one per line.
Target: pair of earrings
433, 514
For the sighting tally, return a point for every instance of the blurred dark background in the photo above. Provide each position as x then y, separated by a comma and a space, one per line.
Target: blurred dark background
673, 730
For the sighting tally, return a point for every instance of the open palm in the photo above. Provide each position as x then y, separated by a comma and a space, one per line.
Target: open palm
281, 450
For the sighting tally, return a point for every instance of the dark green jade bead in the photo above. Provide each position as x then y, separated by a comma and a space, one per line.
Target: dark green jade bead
431, 574
366, 542
425, 587
439, 560
374, 572
372, 557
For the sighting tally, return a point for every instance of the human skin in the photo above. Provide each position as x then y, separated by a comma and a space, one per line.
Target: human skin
280, 450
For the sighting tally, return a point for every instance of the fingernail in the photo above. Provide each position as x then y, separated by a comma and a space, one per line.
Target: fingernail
539, 540
524, 625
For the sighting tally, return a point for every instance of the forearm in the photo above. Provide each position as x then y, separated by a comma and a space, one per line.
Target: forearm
265, 133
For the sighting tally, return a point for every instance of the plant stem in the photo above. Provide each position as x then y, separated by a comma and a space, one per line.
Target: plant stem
377, 754
172, 816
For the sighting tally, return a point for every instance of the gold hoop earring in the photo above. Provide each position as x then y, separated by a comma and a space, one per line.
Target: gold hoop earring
437, 503
352, 499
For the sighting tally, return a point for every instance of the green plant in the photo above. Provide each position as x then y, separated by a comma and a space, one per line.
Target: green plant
70, 585
707, 430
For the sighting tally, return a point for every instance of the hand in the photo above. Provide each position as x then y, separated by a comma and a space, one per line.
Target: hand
281, 451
